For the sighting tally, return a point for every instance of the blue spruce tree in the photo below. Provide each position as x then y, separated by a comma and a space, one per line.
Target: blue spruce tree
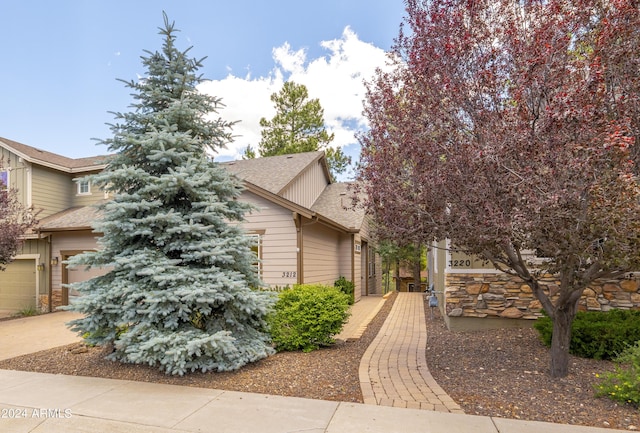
179, 292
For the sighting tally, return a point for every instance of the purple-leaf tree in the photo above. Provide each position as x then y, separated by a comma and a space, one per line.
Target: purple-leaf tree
511, 128
15, 220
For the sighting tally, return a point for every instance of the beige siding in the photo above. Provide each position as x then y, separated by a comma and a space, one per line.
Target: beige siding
68, 241
321, 254
51, 191
347, 265
96, 194
278, 238
358, 276
307, 187
344, 254
19, 174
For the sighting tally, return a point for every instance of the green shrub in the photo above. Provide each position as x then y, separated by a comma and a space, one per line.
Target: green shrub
345, 286
28, 312
624, 384
595, 334
307, 317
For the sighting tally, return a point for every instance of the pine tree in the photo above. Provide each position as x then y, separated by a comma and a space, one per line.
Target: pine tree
178, 294
298, 126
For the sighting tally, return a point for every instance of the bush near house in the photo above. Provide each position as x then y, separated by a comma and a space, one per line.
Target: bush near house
345, 286
307, 317
596, 334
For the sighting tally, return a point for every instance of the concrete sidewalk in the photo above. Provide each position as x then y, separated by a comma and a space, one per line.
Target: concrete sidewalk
46, 403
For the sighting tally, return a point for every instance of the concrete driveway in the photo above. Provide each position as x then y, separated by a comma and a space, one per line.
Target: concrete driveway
36, 333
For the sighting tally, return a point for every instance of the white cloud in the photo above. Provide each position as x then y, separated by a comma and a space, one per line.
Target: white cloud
336, 79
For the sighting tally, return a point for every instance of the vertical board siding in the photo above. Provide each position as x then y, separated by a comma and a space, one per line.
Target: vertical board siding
307, 187
19, 173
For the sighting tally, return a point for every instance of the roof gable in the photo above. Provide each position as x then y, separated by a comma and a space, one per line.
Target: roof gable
53, 160
273, 173
285, 178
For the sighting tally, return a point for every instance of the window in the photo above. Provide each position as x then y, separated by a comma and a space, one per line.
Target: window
257, 250
84, 187
4, 180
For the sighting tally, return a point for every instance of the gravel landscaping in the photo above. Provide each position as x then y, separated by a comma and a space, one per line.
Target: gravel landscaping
499, 373
504, 373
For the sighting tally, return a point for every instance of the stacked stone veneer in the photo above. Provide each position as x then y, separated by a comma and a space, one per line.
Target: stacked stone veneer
498, 295
56, 301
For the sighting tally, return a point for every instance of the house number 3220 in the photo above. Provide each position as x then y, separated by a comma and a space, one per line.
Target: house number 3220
289, 274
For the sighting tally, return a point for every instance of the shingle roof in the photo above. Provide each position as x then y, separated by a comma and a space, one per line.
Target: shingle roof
272, 173
75, 218
335, 204
54, 160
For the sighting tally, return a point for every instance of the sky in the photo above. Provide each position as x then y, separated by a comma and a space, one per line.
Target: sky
62, 61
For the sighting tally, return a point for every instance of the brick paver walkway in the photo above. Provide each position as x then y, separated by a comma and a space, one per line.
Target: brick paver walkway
361, 314
393, 370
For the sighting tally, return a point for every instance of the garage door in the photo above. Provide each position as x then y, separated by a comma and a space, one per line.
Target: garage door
18, 286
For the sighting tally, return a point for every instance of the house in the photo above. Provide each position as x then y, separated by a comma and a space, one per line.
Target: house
307, 231
305, 228
45, 181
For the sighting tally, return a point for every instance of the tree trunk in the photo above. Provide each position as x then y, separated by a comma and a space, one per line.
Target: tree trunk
397, 275
561, 338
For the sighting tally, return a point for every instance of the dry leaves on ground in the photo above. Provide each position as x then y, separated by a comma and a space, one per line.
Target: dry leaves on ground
504, 373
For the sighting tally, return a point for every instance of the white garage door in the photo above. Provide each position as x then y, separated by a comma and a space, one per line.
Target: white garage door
18, 286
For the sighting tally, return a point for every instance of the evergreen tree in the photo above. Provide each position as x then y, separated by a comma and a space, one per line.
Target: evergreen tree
178, 294
297, 127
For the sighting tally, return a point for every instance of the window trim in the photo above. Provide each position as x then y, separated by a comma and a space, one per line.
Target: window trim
258, 246
80, 184
4, 183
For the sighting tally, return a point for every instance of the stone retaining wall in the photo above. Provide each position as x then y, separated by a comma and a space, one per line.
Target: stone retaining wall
498, 295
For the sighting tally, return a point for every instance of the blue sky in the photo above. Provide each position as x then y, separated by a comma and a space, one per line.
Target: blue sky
62, 59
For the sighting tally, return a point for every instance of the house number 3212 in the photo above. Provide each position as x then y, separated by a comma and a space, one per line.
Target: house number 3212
289, 274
